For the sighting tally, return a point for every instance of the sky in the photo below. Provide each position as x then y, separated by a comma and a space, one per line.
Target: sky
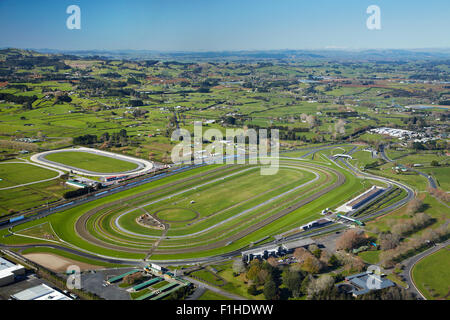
218, 25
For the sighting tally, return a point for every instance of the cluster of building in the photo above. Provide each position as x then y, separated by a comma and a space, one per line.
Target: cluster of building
403, 134
28, 140
276, 250
10, 273
392, 132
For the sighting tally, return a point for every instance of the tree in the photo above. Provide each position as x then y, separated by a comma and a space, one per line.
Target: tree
301, 254
293, 281
388, 240
64, 98
350, 240
435, 163
252, 290
323, 283
271, 290
255, 268
311, 264
263, 276
239, 266
311, 121
339, 127
414, 206
273, 262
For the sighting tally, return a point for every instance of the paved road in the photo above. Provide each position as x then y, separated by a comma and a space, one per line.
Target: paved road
411, 262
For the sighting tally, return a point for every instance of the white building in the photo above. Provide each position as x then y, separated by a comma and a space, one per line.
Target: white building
9, 271
41, 292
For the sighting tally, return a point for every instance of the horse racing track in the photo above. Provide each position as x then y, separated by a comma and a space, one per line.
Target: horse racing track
203, 212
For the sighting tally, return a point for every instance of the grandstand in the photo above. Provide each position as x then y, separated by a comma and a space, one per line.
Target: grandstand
361, 200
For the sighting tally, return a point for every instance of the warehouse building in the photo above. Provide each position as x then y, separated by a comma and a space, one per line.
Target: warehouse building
9, 271
41, 292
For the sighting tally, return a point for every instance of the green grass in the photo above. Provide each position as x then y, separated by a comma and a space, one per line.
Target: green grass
12, 174
91, 162
432, 275
372, 257
31, 196
159, 285
208, 276
441, 174
176, 214
210, 295
135, 295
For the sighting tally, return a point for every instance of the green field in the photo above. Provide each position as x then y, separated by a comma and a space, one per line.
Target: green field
432, 275
91, 162
176, 214
210, 295
13, 174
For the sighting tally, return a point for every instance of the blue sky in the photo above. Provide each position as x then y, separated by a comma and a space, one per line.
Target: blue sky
197, 25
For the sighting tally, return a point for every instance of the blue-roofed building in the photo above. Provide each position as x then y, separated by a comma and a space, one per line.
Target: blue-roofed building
365, 282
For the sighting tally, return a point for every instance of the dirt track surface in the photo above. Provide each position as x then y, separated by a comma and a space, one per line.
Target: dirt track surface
57, 263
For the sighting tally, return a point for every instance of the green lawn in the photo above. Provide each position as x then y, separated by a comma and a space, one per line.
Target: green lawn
208, 277
210, 295
176, 214
432, 275
371, 257
12, 174
91, 162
